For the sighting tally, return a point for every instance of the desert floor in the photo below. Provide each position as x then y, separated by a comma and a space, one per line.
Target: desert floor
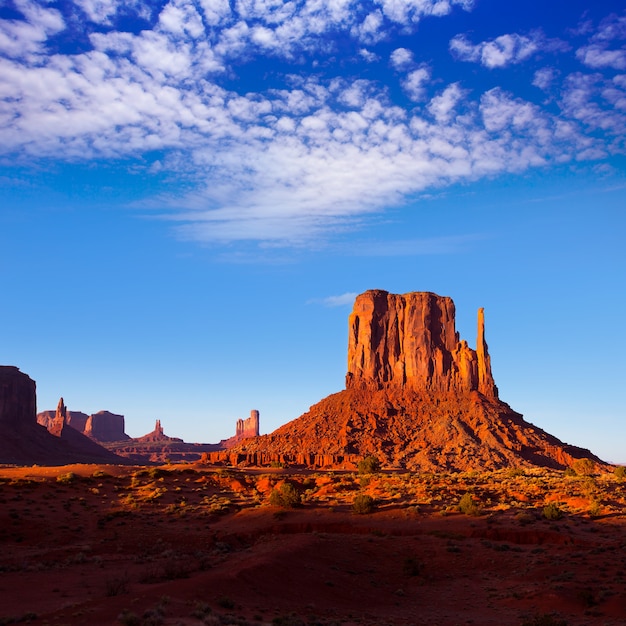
191, 544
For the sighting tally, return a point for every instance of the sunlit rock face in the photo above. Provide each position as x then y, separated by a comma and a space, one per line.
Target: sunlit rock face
410, 341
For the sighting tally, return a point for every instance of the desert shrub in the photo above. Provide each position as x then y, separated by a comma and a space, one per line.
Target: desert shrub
513, 472
620, 472
544, 620
368, 465
286, 496
128, 618
467, 505
584, 467
66, 479
201, 610
100, 474
363, 504
552, 511
116, 586
594, 508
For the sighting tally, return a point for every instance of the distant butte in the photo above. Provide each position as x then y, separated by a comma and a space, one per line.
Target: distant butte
23, 441
417, 397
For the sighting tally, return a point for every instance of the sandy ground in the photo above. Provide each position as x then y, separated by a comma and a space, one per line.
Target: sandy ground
197, 545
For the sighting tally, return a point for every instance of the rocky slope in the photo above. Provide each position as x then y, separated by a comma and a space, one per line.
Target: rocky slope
417, 397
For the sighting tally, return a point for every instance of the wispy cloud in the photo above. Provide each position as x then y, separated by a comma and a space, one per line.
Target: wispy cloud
345, 299
602, 50
504, 50
290, 165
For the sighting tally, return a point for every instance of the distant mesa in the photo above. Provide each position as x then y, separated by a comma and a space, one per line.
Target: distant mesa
248, 427
103, 426
244, 429
417, 397
23, 441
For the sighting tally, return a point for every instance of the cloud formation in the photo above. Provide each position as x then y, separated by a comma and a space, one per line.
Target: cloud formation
345, 299
504, 50
311, 153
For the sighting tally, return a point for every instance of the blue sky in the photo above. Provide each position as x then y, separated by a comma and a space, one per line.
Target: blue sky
192, 192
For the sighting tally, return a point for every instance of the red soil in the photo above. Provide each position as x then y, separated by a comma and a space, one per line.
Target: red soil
197, 545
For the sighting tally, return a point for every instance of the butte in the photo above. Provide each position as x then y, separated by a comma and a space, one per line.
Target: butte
417, 397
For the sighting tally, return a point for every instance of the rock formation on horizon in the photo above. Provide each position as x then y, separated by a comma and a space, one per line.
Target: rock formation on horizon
157, 435
23, 441
417, 397
244, 429
248, 427
103, 426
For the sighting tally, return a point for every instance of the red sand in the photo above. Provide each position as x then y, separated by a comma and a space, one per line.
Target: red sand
191, 545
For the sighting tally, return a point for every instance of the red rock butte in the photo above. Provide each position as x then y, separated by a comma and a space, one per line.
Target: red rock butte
411, 341
417, 397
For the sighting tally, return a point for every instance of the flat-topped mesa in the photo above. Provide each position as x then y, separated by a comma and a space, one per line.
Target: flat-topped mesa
105, 426
410, 340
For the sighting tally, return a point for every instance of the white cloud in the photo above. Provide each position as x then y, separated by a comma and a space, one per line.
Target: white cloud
345, 299
443, 105
401, 59
20, 38
415, 83
544, 78
598, 53
285, 166
503, 50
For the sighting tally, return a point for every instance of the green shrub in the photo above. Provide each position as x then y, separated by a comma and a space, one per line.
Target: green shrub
368, 465
468, 506
552, 511
363, 504
620, 472
584, 467
67, 478
286, 496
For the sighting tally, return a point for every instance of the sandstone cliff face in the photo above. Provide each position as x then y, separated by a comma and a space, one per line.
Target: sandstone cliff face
411, 341
18, 398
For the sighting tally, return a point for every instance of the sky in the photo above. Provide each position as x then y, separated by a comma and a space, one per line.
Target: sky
193, 192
